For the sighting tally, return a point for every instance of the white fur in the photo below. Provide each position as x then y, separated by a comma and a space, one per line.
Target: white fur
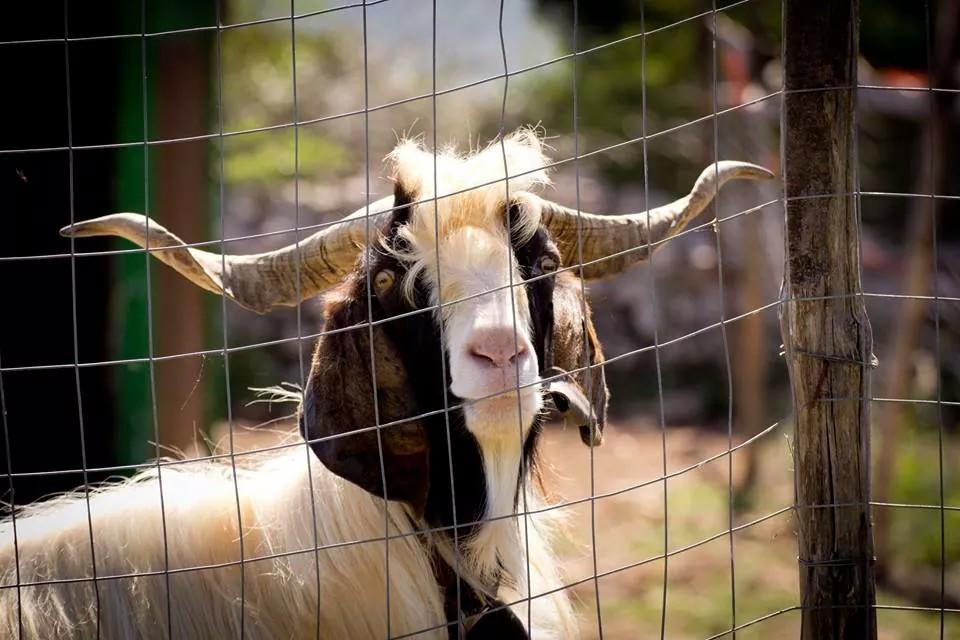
280, 590
481, 271
201, 529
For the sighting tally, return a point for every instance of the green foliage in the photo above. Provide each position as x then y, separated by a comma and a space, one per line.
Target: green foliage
916, 532
675, 82
679, 68
258, 93
610, 94
262, 161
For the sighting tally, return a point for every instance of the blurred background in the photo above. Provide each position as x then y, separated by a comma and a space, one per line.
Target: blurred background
707, 299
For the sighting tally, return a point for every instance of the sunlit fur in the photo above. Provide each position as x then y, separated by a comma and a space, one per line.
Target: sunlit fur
280, 593
550, 615
470, 193
201, 509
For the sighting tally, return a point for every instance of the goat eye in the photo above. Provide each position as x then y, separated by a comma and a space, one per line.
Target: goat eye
548, 264
384, 280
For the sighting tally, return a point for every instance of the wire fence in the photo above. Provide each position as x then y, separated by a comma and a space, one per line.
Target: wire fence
300, 228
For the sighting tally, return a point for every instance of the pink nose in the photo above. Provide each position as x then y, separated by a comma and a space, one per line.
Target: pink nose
497, 347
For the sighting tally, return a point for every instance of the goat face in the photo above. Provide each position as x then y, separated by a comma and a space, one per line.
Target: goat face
467, 305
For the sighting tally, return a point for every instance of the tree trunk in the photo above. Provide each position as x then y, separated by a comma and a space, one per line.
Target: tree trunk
824, 322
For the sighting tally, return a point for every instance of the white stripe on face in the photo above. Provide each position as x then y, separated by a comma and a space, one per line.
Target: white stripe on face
487, 335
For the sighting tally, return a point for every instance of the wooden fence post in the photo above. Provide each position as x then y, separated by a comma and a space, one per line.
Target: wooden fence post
823, 320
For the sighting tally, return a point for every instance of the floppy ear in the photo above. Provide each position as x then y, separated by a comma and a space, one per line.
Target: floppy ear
339, 400
575, 343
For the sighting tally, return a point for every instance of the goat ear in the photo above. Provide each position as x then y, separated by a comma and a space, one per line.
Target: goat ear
575, 342
338, 417
594, 381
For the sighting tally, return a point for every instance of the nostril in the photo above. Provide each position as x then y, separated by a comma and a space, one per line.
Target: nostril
477, 352
497, 348
519, 352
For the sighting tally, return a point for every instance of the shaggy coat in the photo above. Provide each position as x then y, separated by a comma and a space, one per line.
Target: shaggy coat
446, 478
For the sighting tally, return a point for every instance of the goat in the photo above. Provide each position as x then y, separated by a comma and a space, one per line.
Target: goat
455, 320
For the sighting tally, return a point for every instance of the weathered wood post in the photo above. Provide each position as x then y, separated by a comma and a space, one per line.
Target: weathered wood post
823, 320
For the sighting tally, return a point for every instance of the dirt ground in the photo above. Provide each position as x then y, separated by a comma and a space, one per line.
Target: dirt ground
630, 535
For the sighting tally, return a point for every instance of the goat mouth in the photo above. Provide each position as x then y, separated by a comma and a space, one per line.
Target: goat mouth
504, 396
489, 415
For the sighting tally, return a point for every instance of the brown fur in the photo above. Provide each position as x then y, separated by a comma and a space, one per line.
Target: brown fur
340, 390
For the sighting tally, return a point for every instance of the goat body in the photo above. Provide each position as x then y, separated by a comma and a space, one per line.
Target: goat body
274, 593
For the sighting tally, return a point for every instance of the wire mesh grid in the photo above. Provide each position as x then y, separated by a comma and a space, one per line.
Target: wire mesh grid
524, 511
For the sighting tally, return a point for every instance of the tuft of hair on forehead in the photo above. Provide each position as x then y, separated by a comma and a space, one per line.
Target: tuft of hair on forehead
522, 152
470, 190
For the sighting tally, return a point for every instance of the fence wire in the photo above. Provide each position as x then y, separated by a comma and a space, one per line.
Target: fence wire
524, 511
938, 363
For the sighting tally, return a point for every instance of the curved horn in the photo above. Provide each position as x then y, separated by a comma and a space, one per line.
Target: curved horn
259, 281
615, 236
